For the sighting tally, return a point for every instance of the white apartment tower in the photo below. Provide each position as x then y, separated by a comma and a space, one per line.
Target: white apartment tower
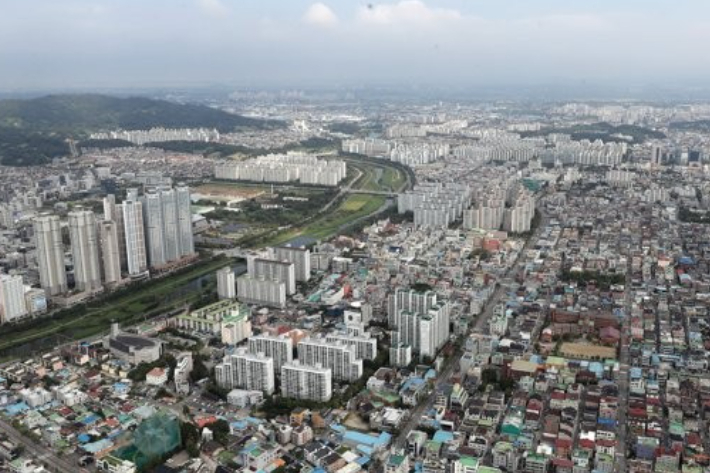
246, 371
340, 358
184, 220
261, 291
50, 254
85, 250
134, 235
312, 383
418, 320
110, 252
299, 256
276, 270
114, 213
280, 348
226, 283
12, 298
154, 229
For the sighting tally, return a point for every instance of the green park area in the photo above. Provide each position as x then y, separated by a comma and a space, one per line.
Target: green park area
351, 210
130, 305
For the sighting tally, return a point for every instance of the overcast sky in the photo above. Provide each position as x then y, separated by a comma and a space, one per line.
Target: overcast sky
134, 43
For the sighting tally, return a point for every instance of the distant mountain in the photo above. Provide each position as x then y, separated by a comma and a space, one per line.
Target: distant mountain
34, 131
88, 112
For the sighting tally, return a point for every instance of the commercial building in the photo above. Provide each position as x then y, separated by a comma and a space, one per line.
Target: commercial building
50, 254
85, 250
246, 371
339, 357
261, 291
12, 298
312, 383
133, 348
280, 348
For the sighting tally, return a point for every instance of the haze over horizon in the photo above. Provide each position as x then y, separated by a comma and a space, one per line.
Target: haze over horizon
77, 44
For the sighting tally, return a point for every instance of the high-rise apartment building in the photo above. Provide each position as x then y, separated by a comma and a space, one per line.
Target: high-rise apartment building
226, 283
418, 320
85, 250
114, 213
299, 256
168, 223
154, 229
50, 254
312, 383
134, 235
12, 298
110, 252
261, 291
275, 270
280, 348
246, 371
340, 358
184, 220
365, 346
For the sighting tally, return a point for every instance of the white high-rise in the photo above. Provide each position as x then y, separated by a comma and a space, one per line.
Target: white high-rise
114, 213
365, 346
276, 270
261, 291
312, 383
299, 256
110, 252
226, 283
50, 254
280, 348
184, 220
12, 298
134, 236
419, 321
171, 231
246, 371
153, 224
340, 358
85, 250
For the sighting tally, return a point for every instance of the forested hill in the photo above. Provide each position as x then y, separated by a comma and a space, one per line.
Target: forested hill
86, 113
34, 131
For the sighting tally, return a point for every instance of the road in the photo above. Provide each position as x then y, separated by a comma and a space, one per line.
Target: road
453, 361
38, 452
623, 376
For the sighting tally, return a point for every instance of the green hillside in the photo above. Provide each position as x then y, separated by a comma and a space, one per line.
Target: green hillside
34, 131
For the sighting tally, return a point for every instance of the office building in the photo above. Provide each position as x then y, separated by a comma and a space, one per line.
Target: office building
246, 371
12, 298
299, 256
226, 283
136, 261
312, 383
261, 291
280, 348
50, 254
339, 357
85, 250
275, 270
110, 252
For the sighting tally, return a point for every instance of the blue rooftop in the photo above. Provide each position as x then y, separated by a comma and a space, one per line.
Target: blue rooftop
443, 436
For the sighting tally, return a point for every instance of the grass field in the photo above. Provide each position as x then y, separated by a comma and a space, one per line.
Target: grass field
378, 177
351, 209
164, 295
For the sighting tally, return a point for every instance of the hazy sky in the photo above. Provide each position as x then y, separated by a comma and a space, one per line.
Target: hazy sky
109, 43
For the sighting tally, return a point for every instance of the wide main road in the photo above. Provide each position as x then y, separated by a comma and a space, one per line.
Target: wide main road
38, 452
453, 361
